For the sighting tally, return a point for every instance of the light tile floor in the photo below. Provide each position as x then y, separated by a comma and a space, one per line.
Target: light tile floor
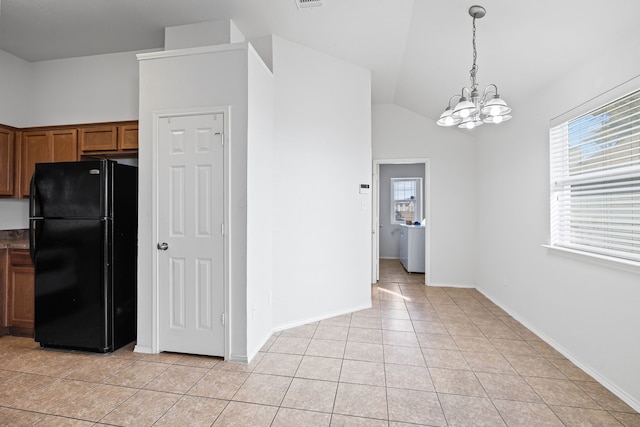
421, 356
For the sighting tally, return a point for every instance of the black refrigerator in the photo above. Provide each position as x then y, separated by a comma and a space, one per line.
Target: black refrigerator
83, 242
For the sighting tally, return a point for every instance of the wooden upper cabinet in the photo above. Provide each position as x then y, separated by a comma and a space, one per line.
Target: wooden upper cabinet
98, 138
7, 162
45, 146
116, 139
128, 137
65, 145
35, 149
21, 149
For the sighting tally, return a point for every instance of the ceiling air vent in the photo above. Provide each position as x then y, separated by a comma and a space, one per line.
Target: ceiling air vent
308, 3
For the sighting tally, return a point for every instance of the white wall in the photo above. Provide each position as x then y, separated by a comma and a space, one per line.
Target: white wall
14, 214
67, 91
322, 241
388, 232
84, 90
16, 90
588, 310
215, 77
202, 34
260, 192
401, 134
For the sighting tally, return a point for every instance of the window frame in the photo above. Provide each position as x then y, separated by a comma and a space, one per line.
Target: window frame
418, 206
568, 184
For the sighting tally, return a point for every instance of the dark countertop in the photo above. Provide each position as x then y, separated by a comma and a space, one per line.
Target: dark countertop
14, 239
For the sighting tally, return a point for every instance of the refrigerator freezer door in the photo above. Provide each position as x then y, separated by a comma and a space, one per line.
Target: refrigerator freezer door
72, 294
69, 190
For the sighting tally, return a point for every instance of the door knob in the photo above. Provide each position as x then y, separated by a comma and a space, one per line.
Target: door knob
163, 246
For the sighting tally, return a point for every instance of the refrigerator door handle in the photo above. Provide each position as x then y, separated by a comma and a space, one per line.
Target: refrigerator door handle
32, 213
32, 240
33, 197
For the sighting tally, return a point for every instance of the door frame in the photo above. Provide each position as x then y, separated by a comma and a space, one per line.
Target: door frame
162, 114
375, 215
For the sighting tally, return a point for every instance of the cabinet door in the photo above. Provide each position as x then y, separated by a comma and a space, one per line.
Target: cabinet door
98, 138
65, 145
21, 294
128, 137
46, 146
7, 162
35, 149
4, 305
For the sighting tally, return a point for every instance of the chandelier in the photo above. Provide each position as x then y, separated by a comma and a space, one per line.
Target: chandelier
473, 110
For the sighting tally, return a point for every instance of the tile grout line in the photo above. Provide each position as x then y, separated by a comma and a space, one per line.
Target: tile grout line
469, 308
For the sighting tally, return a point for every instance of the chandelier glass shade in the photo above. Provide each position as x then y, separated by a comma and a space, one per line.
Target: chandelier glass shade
472, 108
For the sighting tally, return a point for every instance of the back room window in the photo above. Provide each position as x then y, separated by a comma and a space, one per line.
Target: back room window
406, 200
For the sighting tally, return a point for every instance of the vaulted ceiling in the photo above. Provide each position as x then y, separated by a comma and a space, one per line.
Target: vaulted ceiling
419, 51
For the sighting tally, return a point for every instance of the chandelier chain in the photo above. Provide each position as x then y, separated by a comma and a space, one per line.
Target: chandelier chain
474, 68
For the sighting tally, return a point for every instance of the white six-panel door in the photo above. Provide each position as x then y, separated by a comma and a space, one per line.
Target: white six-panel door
190, 234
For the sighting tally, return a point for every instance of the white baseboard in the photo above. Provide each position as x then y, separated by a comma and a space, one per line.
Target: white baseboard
282, 327
629, 400
239, 358
453, 285
318, 318
143, 349
253, 353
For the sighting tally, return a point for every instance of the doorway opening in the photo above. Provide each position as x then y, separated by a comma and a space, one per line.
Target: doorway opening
386, 225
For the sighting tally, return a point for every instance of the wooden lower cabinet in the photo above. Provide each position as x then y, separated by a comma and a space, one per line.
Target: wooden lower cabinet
4, 270
20, 293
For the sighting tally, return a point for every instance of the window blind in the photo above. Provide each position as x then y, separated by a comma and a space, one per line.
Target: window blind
595, 180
